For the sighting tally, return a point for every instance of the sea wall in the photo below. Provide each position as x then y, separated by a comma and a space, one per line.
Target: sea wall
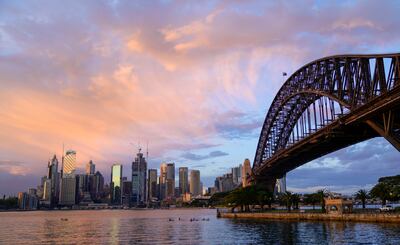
372, 217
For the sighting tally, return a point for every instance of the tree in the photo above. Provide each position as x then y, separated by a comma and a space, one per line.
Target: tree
311, 199
265, 198
287, 199
320, 196
382, 191
362, 195
295, 200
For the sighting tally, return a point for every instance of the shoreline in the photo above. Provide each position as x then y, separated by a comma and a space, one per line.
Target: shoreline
352, 217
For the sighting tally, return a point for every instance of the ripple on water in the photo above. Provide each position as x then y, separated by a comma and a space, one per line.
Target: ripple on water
164, 227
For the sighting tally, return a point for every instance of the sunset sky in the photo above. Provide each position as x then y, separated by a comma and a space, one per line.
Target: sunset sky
194, 79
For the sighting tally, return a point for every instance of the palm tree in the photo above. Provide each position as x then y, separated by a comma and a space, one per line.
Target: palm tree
362, 195
382, 191
295, 201
311, 199
287, 199
320, 196
265, 198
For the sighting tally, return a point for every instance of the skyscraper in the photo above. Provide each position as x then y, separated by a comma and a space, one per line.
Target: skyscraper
139, 172
68, 190
246, 171
237, 175
195, 183
51, 184
69, 163
183, 180
170, 182
90, 168
152, 185
163, 180
116, 183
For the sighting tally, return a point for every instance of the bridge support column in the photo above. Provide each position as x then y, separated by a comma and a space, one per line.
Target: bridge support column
386, 130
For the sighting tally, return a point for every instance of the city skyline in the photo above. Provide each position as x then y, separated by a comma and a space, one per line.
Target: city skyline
195, 83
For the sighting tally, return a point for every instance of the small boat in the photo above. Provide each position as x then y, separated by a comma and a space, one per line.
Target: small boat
64, 219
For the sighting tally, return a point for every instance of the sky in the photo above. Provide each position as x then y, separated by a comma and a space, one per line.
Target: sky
193, 80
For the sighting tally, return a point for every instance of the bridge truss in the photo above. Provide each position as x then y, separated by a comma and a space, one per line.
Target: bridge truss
329, 104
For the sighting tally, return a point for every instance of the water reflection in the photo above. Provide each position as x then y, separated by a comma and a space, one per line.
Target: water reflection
175, 227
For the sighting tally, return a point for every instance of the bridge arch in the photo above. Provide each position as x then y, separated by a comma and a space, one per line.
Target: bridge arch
343, 82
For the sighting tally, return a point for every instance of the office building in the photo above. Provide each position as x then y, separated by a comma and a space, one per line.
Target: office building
68, 190
246, 172
224, 183
170, 181
116, 184
237, 175
27, 201
139, 176
152, 185
90, 168
69, 162
195, 186
126, 192
163, 181
183, 180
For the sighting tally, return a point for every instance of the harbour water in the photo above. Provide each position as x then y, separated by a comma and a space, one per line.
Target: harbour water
180, 226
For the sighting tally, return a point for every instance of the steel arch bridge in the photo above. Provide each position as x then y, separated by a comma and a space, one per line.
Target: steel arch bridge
326, 105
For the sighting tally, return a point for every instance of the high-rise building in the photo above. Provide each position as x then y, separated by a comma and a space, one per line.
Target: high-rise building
152, 185
170, 182
139, 172
90, 168
68, 190
96, 186
183, 180
126, 192
246, 171
237, 175
51, 184
69, 162
27, 201
195, 183
163, 180
224, 183
116, 183
280, 186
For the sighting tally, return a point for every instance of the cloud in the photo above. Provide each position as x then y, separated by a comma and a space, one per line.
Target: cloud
12, 167
196, 157
183, 76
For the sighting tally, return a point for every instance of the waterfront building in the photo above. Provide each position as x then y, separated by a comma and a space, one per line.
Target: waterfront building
96, 186
152, 185
69, 162
237, 175
163, 181
116, 183
90, 168
126, 192
280, 186
51, 183
170, 181
224, 183
183, 180
246, 172
27, 201
139, 172
68, 190
195, 186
